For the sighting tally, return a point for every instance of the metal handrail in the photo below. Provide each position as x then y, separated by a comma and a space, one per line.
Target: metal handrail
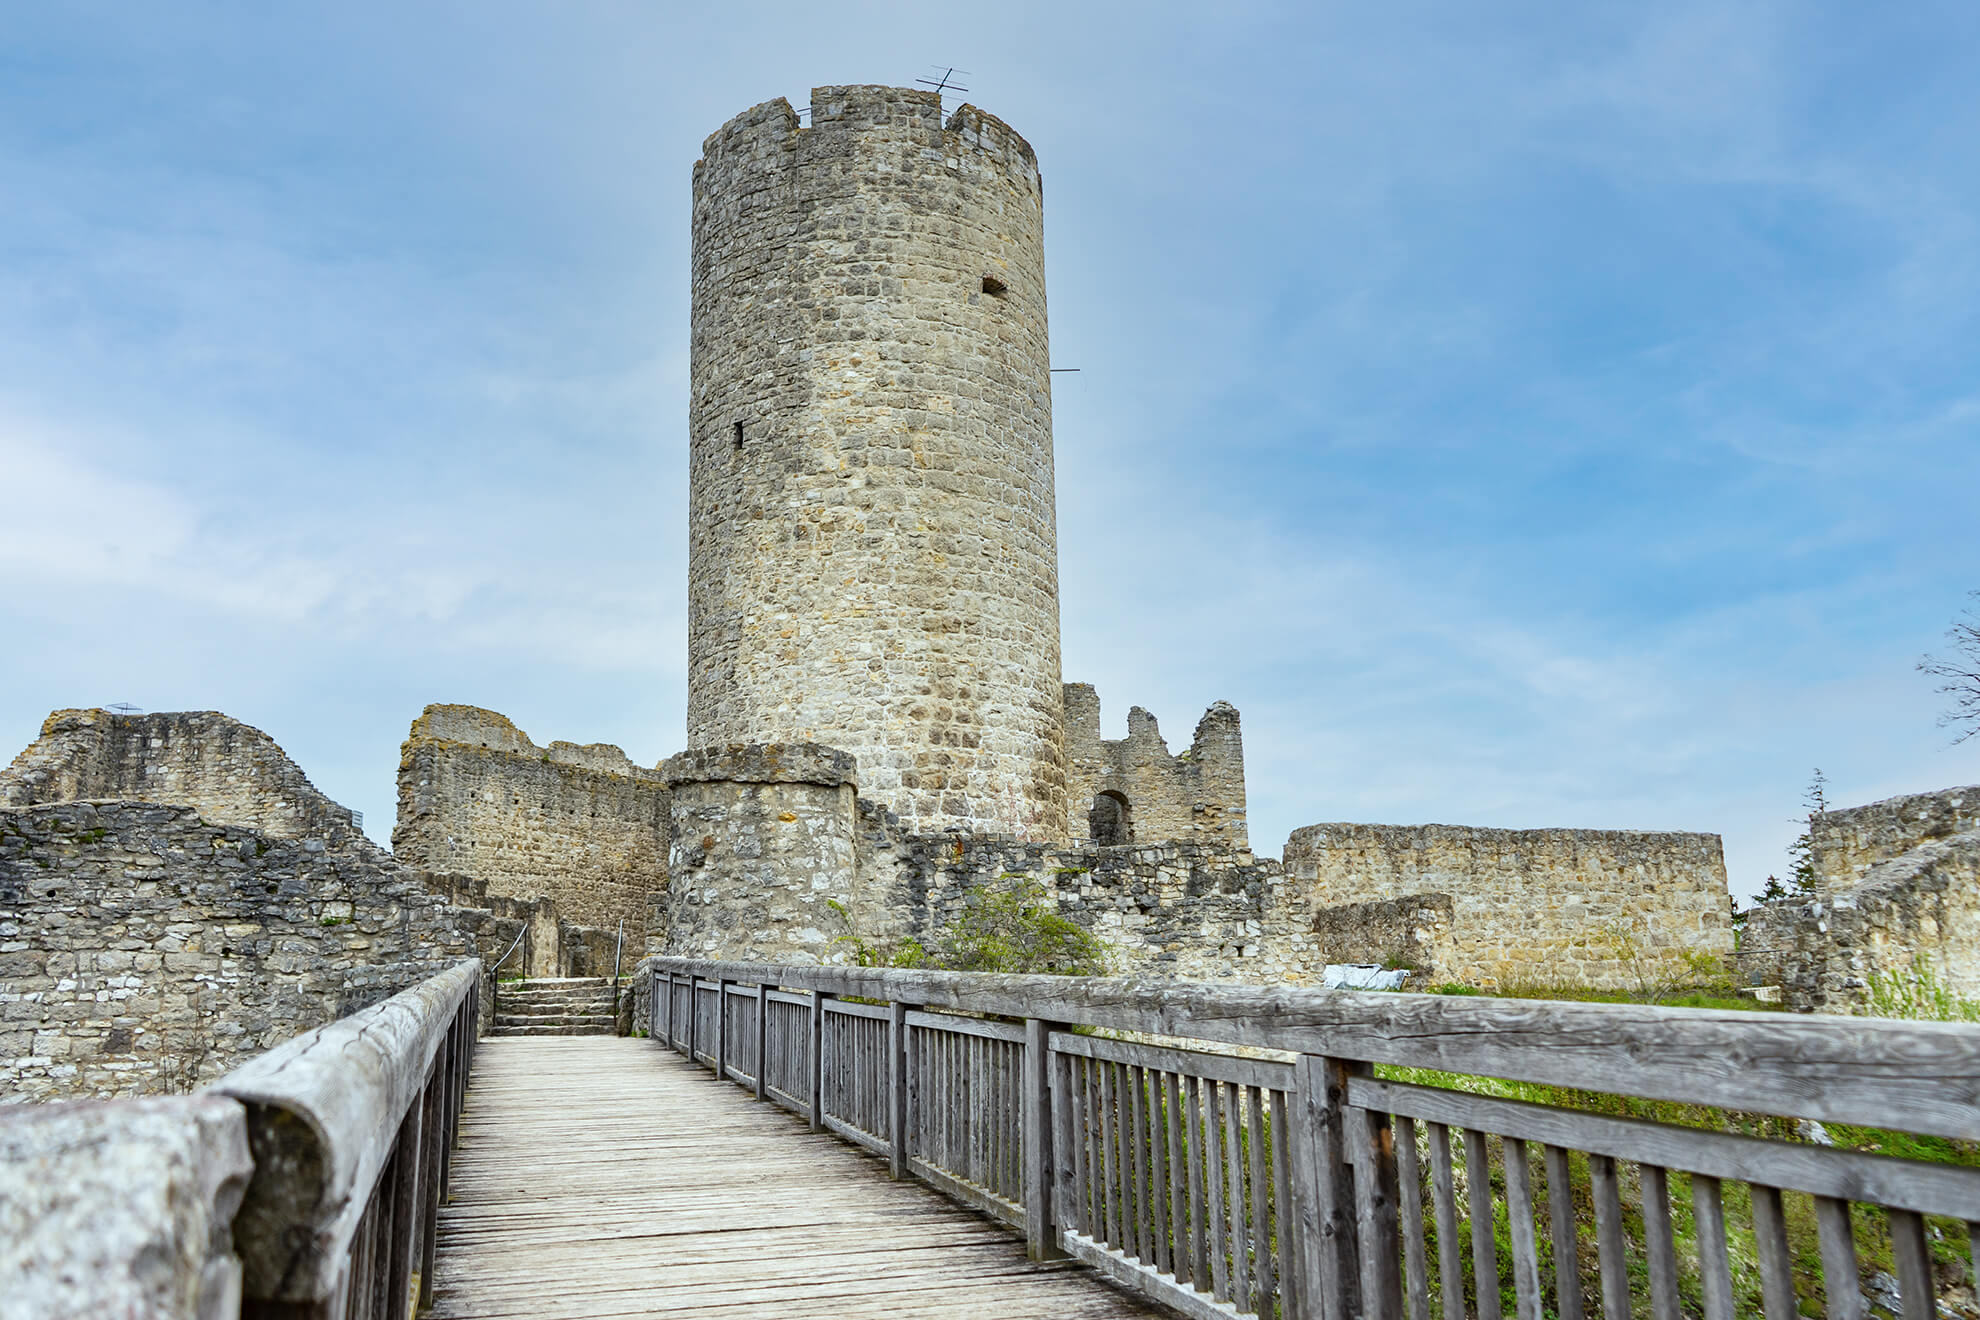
497, 965
617, 948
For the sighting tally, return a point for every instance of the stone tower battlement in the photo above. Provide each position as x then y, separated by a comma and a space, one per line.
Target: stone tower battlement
873, 555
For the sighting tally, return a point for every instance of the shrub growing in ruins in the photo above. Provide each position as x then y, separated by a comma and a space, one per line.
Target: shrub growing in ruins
1007, 926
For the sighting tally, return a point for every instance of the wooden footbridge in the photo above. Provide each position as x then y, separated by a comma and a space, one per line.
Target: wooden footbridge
1086, 1147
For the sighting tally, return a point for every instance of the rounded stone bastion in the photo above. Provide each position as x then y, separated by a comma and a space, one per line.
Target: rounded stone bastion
763, 844
873, 556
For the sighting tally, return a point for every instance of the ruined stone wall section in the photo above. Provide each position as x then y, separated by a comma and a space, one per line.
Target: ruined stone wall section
144, 950
1606, 908
578, 825
1196, 797
233, 773
1916, 915
1848, 843
873, 554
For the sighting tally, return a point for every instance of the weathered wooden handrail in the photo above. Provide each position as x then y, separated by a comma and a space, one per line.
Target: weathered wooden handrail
1227, 1185
351, 1128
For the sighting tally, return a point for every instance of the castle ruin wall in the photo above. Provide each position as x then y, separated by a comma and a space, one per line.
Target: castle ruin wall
1847, 843
145, 950
234, 773
1911, 924
1132, 790
579, 825
1604, 908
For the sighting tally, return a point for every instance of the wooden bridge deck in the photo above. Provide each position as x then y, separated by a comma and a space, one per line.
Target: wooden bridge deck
602, 1177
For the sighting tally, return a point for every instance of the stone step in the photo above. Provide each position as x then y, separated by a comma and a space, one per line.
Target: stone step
560, 1020
551, 1031
509, 1008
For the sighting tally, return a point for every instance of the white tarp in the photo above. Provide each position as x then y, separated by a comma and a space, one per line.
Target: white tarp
1363, 976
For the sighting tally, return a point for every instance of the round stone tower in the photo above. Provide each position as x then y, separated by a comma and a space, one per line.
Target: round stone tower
873, 562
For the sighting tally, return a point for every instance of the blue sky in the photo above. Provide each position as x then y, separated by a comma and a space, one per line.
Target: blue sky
1526, 414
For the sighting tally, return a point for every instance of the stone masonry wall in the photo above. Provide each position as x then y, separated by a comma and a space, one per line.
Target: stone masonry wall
234, 773
1918, 913
872, 555
1607, 908
1846, 844
763, 846
581, 826
144, 950
1196, 797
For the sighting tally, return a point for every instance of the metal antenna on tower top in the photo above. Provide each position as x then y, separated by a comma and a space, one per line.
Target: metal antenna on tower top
945, 83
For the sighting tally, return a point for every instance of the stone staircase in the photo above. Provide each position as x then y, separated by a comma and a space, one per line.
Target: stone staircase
554, 1006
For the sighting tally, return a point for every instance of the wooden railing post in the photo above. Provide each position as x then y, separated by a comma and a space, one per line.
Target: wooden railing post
1371, 1140
693, 1012
1041, 1180
897, 1091
815, 1081
762, 1038
721, 1028
1328, 1284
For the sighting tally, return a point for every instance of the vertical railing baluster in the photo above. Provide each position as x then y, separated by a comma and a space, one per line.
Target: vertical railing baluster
762, 1039
1659, 1244
1714, 1268
1840, 1281
1041, 1216
897, 1164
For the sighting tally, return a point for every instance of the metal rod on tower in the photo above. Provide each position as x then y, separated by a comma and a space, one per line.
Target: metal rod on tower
946, 82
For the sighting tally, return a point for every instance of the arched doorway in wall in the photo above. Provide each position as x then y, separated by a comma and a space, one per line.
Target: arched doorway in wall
1110, 822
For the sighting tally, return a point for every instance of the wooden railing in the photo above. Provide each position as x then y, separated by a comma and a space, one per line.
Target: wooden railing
351, 1128
1312, 1186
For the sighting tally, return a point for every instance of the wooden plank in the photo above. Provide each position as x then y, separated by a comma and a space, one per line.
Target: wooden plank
623, 1200
1260, 1237
1519, 1219
1234, 1200
1161, 1177
1041, 1219
1770, 1241
1213, 1183
1116, 1266
1610, 1246
1659, 1245
762, 1041
1066, 1210
1411, 1219
1375, 1194
1714, 1268
815, 1099
847, 1008
1918, 1076
1840, 1281
1484, 1246
897, 1089
1443, 1200
967, 1026
1195, 1063
1914, 1264
1935, 1189
1285, 1222
1560, 1227
1137, 1243
1199, 1250
1110, 1160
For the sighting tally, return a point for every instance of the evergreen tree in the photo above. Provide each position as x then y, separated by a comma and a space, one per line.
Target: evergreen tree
1802, 850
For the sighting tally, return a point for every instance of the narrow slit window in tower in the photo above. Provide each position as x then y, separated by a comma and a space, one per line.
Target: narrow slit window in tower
739, 426
993, 286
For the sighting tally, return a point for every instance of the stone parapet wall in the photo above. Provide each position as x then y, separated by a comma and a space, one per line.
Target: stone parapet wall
233, 773
1605, 908
1915, 916
1846, 844
579, 825
1197, 796
872, 555
145, 950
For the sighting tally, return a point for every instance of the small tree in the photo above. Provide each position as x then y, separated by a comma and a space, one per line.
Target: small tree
1802, 850
1960, 674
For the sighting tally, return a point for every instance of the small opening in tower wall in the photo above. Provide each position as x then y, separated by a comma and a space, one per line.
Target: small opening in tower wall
1110, 823
993, 286
739, 435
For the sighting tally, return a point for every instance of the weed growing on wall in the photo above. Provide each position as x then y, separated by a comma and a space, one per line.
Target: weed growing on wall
1009, 925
